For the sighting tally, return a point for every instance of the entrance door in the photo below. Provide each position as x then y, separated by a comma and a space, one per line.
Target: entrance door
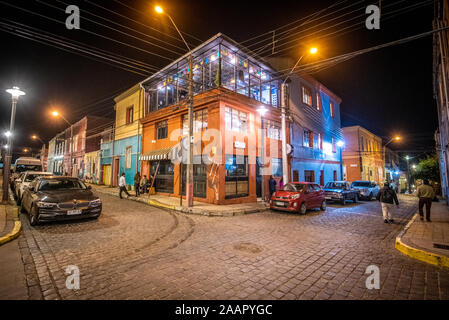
107, 175
116, 172
258, 179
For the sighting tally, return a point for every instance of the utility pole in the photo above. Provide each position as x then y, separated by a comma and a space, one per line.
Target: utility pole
285, 173
408, 175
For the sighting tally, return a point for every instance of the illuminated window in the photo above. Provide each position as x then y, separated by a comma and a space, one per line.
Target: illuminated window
320, 141
334, 146
306, 96
308, 139
273, 129
236, 120
128, 157
318, 101
199, 122
331, 106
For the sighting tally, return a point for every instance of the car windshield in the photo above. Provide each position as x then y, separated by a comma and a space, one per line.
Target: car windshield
293, 187
365, 184
69, 184
335, 185
28, 167
30, 177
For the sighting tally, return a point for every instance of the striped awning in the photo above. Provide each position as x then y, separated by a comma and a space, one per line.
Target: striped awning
160, 154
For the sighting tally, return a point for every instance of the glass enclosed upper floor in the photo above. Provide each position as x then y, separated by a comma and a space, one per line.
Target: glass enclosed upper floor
219, 62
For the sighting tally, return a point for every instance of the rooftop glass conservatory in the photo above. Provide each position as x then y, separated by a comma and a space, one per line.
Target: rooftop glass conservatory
219, 62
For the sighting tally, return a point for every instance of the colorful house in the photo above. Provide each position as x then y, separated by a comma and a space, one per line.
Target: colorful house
122, 153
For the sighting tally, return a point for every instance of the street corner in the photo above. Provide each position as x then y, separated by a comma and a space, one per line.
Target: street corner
12, 224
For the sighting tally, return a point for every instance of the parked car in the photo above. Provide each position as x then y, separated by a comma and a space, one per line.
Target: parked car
368, 189
24, 180
23, 164
340, 191
298, 197
50, 198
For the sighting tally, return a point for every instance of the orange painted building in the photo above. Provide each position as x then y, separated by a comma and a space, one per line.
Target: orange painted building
230, 85
362, 155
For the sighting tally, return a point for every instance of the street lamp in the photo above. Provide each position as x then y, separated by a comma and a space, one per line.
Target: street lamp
395, 138
36, 137
189, 173
407, 158
8, 134
262, 112
285, 174
57, 114
15, 93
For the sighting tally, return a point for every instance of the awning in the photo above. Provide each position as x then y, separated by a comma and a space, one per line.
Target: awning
160, 154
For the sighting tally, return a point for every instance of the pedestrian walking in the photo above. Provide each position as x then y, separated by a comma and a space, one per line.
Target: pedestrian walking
143, 184
271, 186
137, 183
425, 193
387, 197
122, 186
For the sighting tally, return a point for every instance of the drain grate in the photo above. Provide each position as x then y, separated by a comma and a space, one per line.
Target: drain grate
441, 246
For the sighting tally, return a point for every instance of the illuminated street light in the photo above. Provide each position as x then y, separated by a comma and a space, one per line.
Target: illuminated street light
414, 166
36, 137
159, 9
15, 93
340, 143
8, 134
313, 50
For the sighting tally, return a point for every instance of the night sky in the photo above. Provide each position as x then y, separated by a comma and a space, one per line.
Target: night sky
388, 92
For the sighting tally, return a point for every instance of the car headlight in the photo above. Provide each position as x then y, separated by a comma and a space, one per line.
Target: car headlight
295, 196
95, 202
41, 204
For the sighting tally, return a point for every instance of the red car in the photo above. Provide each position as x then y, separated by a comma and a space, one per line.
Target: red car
298, 197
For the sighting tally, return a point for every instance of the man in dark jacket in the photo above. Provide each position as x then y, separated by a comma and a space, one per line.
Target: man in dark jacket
137, 183
271, 186
387, 197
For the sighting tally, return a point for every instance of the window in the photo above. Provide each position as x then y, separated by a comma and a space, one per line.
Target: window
162, 130
236, 176
306, 96
331, 107
236, 120
335, 175
129, 114
334, 146
273, 129
318, 101
295, 176
276, 167
199, 121
308, 139
128, 157
309, 176
320, 141
75, 143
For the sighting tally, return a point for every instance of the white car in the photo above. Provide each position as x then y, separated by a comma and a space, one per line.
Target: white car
368, 189
24, 181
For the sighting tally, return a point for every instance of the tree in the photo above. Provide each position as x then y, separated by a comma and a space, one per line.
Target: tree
428, 169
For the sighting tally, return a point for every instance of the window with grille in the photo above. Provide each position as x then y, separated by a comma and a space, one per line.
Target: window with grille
236, 120
162, 130
306, 96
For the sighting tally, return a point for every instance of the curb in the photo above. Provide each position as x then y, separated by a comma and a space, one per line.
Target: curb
15, 231
419, 254
186, 210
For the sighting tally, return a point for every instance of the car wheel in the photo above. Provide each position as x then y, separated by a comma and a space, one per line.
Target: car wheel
303, 208
33, 216
323, 206
370, 197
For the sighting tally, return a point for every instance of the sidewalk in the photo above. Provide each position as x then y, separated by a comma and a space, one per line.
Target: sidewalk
427, 241
199, 208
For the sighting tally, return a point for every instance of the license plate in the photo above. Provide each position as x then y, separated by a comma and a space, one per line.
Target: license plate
279, 203
328, 198
73, 212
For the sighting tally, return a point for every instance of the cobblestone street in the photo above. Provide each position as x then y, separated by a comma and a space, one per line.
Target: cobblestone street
134, 251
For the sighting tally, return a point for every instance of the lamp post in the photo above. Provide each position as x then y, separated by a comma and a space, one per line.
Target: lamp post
15, 93
285, 173
57, 114
407, 158
189, 173
396, 138
36, 137
262, 112
341, 144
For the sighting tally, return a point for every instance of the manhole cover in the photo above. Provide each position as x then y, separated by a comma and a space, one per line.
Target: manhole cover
248, 247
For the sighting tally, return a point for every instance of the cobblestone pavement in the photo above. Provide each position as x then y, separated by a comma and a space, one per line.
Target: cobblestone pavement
139, 252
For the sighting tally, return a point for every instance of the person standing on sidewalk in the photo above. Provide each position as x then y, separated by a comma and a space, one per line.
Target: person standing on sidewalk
271, 186
137, 183
122, 186
387, 197
425, 193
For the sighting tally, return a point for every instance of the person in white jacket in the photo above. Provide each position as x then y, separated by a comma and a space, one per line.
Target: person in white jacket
122, 186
